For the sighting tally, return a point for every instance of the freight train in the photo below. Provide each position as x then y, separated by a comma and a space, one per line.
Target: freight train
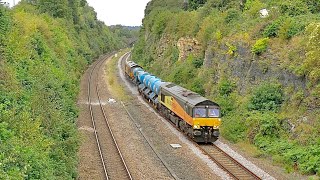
196, 116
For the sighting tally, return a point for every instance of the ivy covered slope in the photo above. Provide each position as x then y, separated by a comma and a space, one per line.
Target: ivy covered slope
45, 46
262, 68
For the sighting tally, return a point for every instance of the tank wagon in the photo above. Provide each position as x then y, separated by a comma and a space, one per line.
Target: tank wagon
196, 116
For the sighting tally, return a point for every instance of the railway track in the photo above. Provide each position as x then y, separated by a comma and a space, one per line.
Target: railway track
111, 158
234, 168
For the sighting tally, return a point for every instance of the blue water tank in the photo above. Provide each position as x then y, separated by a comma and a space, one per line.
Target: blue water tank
156, 87
142, 75
151, 80
135, 72
152, 83
147, 79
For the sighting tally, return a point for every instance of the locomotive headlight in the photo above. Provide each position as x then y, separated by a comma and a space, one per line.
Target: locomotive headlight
196, 126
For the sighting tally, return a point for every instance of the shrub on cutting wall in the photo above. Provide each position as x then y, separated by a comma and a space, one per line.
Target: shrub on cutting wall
260, 46
266, 97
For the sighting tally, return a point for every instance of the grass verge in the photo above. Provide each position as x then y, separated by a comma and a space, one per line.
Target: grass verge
111, 74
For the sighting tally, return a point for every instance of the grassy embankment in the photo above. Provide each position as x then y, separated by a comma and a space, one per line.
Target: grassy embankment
45, 47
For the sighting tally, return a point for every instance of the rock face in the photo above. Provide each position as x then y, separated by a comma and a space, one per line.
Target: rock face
243, 67
208, 56
163, 45
187, 46
247, 69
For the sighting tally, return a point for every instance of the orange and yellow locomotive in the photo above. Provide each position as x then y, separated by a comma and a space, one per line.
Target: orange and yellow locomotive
196, 116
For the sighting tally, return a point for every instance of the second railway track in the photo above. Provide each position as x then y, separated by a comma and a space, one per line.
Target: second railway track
111, 159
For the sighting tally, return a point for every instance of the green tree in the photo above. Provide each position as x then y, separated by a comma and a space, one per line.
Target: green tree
195, 4
56, 8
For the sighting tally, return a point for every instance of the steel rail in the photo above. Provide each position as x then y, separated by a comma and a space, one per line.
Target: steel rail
93, 120
112, 135
237, 163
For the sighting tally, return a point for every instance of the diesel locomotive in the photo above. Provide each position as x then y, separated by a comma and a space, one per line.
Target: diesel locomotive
196, 116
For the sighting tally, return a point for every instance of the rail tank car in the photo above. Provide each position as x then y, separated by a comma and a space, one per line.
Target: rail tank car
196, 116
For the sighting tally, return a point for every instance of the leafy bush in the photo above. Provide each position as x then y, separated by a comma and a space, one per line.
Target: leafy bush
313, 5
260, 46
311, 64
233, 128
161, 20
182, 74
272, 30
305, 159
226, 87
197, 62
310, 162
287, 27
293, 7
227, 104
180, 24
174, 54
232, 15
266, 97
195, 4
231, 49
290, 27
197, 86
172, 5
5, 22
269, 126
139, 51
252, 7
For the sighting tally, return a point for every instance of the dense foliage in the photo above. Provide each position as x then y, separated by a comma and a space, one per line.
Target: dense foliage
263, 69
266, 97
128, 34
45, 46
195, 4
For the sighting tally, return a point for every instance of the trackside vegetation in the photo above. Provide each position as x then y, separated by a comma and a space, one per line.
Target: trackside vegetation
263, 69
45, 46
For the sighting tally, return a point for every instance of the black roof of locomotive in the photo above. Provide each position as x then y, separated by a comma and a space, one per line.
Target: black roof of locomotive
186, 96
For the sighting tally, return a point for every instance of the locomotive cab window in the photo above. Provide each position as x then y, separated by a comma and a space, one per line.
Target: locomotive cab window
213, 112
199, 112
162, 97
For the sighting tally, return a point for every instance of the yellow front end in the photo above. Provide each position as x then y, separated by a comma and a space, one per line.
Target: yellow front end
131, 75
209, 122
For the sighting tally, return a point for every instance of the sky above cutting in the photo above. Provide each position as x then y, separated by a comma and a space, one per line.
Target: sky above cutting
113, 12
11, 2
124, 12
